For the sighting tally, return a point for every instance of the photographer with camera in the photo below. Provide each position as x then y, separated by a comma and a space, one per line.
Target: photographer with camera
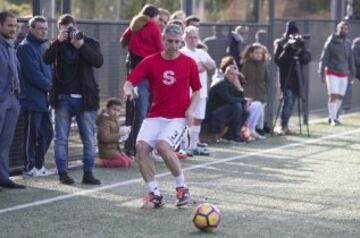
75, 92
290, 56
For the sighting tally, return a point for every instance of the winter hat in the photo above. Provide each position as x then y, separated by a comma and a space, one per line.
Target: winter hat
291, 28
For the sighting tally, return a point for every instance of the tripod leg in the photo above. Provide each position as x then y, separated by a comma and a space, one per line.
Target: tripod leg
308, 131
299, 114
277, 114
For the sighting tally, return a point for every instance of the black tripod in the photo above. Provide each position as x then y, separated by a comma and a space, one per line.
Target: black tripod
301, 97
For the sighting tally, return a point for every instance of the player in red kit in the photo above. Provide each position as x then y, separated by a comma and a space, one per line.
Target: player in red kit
171, 75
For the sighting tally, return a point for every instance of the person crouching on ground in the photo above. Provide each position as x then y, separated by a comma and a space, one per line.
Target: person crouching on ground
109, 136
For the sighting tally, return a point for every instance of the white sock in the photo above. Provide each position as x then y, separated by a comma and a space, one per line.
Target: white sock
180, 181
153, 187
332, 110
194, 136
338, 105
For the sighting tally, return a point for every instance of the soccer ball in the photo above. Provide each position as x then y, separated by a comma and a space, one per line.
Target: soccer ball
206, 217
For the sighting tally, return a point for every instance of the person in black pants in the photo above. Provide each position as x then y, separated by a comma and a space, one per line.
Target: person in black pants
226, 103
36, 83
9, 92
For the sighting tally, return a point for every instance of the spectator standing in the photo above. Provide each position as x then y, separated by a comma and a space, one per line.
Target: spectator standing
178, 15
171, 75
36, 83
237, 43
164, 16
287, 55
9, 92
24, 30
217, 43
204, 63
355, 47
356, 54
192, 21
143, 38
75, 92
337, 69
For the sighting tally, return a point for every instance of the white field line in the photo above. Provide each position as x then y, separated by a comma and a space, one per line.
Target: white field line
138, 180
318, 120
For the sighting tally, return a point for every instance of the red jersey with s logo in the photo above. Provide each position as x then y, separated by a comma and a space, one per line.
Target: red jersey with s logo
170, 82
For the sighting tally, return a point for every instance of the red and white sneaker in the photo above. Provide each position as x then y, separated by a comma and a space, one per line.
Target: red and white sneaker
152, 201
182, 196
181, 155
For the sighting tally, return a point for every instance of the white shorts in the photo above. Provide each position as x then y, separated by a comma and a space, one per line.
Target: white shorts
336, 84
159, 128
200, 110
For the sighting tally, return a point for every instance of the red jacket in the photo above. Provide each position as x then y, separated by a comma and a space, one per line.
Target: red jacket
143, 36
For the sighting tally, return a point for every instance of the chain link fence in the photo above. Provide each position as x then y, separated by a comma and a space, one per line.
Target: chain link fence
112, 74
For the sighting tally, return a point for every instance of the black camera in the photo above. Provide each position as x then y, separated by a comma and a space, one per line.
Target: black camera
296, 42
74, 33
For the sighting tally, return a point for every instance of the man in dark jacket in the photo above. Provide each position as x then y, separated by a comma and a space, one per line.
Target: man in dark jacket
75, 93
290, 52
36, 82
237, 43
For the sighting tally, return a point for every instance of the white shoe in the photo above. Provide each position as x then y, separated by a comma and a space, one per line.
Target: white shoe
45, 172
333, 123
257, 136
34, 172
155, 156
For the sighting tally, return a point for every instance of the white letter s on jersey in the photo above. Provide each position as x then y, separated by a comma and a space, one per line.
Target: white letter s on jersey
169, 77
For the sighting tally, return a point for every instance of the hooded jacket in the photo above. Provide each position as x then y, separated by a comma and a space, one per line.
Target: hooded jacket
107, 135
337, 56
284, 59
143, 36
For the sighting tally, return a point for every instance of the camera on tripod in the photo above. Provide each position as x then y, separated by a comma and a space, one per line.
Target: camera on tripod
296, 42
74, 33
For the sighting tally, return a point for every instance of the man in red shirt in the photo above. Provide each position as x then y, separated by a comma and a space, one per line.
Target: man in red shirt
171, 75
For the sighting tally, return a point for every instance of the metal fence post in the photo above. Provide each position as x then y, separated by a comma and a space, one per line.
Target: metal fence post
65, 6
36, 8
273, 80
187, 6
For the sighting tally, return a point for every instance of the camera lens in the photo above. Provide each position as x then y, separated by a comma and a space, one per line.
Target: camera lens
75, 34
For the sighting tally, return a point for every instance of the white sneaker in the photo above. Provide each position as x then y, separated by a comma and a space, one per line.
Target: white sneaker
44, 172
333, 123
155, 156
257, 136
34, 172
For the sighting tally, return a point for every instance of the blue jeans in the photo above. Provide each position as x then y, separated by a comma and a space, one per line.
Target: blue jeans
66, 109
289, 101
